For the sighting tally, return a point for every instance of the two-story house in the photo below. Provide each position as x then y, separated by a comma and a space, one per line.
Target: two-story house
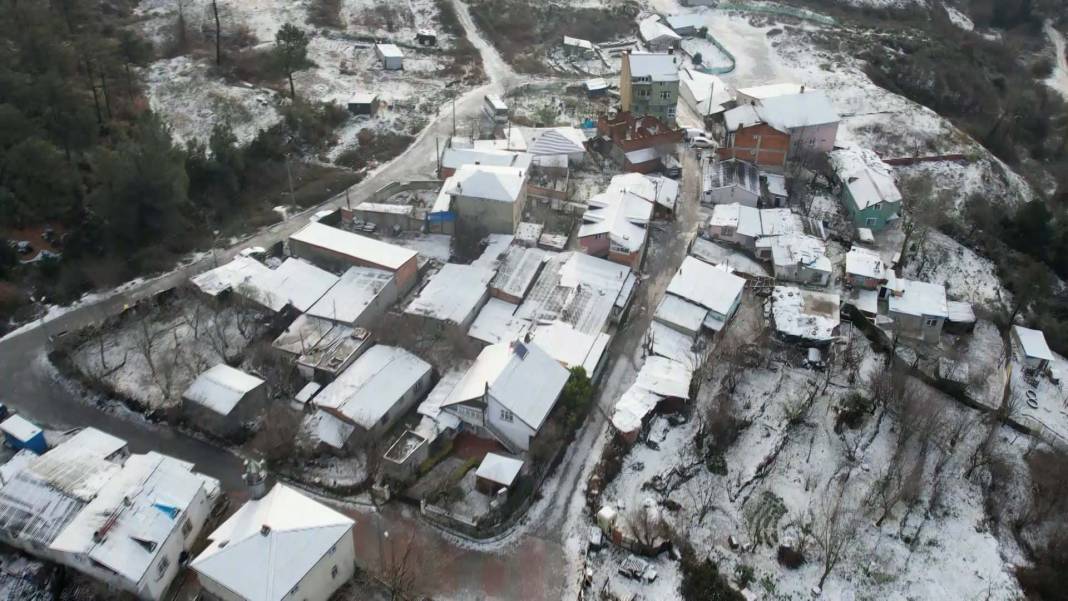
867, 187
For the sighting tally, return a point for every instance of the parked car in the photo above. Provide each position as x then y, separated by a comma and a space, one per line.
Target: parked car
693, 132
701, 142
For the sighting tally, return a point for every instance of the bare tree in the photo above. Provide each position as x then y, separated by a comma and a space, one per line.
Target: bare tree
702, 498
218, 32
832, 527
647, 526
399, 568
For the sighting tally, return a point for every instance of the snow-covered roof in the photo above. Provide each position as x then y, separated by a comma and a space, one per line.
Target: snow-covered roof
673, 310
502, 184
517, 270
643, 155
869, 179
733, 172
577, 288
362, 98
439, 394
389, 50
797, 110
755, 223
362, 248
452, 294
307, 392
665, 377
549, 141
804, 313
578, 42
770, 90
262, 551
496, 246
653, 30
597, 83
1033, 343
619, 214
521, 376
695, 20
294, 282
326, 428
97, 442
799, 249
357, 288
125, 527
671, 343
784, 113
385, 207
960, 312
373, 384
919, 299
496, 322
866, 263
571, 347
656, 66
454, 158
632, 407
499, 469
705, 285
19, 428
528, 232
700, 86
221, 388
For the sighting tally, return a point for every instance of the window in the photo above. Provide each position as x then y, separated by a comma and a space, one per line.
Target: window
644, 92
870, 221
332, 550
187, 527
333, 572
671, 112
507, 416
931, 322
727, 231
665, 95
161, 568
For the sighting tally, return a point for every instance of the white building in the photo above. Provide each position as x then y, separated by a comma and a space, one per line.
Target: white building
656, 35
1032, 347
797, 258
392, 58
375, 391
454, 295
508, 393
282, 546
705, 94
804, 316
454, 158
126, 522
712, 288
755, 94
918, 309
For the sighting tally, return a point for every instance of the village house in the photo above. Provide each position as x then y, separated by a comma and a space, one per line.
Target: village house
865, 269
492, 197
295, 283
361, 295
710, 287
649, 85
338, 249
797, 258
223, 400
614, 225
657, 36
508, 393
705, 94
771, 131
746, 226
370, 396
125, 521
278, 546
756, 94
917, 309
731, 181
454, 295
362, 103
454, 158
805, 317
639, 144
866, 187
662, 384
1032, 348
391, 56
578, 48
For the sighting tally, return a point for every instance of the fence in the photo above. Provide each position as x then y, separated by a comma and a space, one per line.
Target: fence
392, 188
781, 11
719, 70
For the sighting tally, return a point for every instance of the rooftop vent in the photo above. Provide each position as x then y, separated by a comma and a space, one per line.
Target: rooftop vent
265, 530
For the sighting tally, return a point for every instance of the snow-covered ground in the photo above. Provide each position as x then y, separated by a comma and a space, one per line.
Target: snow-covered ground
966, 275
192, 97
1059, 79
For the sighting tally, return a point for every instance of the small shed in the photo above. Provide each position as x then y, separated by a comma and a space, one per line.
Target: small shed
426, 37
961, 318
21, 433
363, 103
596, 87
222, 399
1033, 348
496, 472
392, 58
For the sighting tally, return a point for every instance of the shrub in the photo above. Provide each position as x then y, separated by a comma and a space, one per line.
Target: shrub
701, 581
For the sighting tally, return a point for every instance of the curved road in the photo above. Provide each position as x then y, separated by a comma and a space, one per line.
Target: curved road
531, 561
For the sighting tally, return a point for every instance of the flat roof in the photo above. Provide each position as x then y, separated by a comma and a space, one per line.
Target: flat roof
705, 285
804, 313
770, 90
920, 299
389, 50
866, 263
454, 158
1033, 343
500, 469
517, 270
20, 428
571, 347
357, 288
656, 66
352, 245
496, 323
673, 310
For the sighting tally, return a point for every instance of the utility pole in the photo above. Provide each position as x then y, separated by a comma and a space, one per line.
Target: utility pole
218, 33
454, 116
289, 175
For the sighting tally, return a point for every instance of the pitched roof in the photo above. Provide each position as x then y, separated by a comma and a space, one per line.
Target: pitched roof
500, 469
555, 140
352, 245
264, 549
221, 388
700, 85
294, 282
453, 293
357, 288
373, 384
651, 29
454, 158
705, 285
784, 113
1033, 343
919, 299
869, 179
482, 181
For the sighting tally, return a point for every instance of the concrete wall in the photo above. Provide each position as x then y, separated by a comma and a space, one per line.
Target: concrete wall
801, 274
497, 217
912, 326
732, 194
817, 139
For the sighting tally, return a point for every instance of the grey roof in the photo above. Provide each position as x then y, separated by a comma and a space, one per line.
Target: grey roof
723, 174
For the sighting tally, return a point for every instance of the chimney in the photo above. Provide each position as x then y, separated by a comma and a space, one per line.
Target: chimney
265, 530
255, 479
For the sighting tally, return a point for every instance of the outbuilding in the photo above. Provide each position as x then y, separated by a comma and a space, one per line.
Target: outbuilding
497, 472
1033, 348
21, 433
392, 58
363, 103
223, 399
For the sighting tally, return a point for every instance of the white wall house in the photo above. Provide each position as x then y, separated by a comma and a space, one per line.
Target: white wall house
1032, 347
508, 392
281, 546
391, 56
